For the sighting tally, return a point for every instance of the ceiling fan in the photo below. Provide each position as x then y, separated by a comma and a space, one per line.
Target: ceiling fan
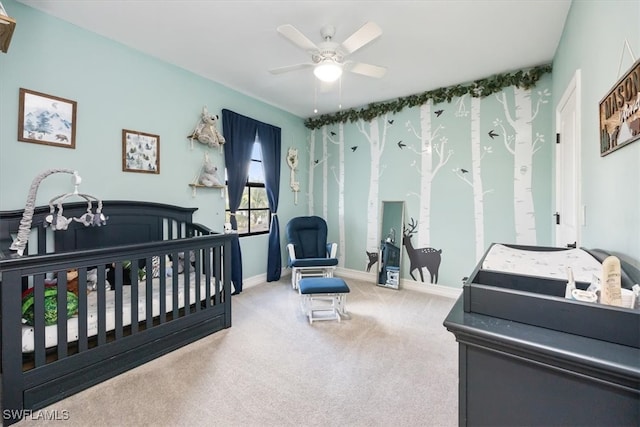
328, 57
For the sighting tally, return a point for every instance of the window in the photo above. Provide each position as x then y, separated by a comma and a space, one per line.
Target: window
253, 215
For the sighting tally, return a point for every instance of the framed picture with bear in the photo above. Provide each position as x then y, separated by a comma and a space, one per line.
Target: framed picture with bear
46, 119
140, 152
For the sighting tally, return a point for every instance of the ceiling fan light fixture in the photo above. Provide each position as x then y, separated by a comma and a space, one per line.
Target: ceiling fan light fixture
328, 71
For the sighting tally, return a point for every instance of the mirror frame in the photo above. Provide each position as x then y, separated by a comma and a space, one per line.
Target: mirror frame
390, 243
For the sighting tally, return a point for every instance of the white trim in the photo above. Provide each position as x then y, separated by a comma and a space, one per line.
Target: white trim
346, 273
254, 281
574, 86
429, 288
432, 288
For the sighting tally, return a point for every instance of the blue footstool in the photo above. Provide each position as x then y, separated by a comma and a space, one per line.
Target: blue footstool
323, 298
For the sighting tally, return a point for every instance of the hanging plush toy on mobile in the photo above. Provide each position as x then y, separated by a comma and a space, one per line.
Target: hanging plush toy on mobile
206, 131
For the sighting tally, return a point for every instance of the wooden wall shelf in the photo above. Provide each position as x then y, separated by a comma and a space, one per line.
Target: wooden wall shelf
194, 188
7, 25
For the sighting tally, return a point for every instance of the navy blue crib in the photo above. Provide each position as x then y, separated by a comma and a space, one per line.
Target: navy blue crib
148, 282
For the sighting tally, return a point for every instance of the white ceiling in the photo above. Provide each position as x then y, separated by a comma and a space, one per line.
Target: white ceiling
424, 45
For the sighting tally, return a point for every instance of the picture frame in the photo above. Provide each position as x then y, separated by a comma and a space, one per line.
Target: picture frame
46, 119
140, 152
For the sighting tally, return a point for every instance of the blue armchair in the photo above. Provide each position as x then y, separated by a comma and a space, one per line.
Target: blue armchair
309, 253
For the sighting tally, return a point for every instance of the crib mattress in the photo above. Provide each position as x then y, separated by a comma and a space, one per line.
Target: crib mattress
548, 264
51, 332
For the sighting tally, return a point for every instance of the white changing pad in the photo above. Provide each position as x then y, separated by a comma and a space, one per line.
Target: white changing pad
51, 332
550, 264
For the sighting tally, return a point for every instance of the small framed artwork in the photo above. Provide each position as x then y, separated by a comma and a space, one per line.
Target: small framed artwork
46, 119
140, 152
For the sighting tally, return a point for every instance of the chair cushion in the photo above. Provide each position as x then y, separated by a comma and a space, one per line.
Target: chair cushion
323, 285
313, 262
308, 234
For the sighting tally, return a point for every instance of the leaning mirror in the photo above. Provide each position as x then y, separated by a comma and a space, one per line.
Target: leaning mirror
389, 257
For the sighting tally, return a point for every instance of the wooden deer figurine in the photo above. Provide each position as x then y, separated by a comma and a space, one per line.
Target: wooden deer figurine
421, 257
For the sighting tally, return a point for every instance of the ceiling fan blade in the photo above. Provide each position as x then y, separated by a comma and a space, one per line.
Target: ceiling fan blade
288, 68
367, 33
366, 69
296, 37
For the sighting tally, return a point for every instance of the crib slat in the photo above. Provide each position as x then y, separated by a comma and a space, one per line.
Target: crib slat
217, 256
102, 308
134, 296
186, 285
207, 273
181, 228
62, 315
117, 288
174, 285
38, 321
163, 289
170, 229
42, 240
82, 310
149, 295
198, 275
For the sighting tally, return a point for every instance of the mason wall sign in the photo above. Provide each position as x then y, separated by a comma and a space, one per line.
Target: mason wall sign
620, 112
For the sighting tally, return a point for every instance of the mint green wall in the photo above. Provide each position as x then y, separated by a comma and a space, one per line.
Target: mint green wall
593, 42
468, 209
119, 88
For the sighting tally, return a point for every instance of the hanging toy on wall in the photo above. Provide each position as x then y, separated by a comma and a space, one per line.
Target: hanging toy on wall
206, 131
292, 161
209, 175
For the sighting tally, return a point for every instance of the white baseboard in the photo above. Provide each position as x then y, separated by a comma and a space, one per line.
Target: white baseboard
432, 288
429, 288
252, 281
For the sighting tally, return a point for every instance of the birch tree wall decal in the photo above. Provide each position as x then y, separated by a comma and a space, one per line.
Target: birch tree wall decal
475, 181
376, 145
428, 151
325, 174
520, 142
339, 177
312, 167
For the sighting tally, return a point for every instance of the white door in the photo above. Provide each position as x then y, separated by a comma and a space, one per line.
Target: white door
568, 218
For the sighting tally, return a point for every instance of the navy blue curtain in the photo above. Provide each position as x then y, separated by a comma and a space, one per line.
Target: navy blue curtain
240, 133
269, 137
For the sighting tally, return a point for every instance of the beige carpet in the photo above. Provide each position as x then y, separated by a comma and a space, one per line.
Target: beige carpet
391, 364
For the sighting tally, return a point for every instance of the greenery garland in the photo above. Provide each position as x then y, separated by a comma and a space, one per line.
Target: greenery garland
478, 89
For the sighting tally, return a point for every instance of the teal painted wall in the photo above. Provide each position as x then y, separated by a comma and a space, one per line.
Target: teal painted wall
119, 88
463, 188
593, 42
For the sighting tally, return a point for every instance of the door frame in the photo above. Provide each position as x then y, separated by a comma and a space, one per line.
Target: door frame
574, 86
